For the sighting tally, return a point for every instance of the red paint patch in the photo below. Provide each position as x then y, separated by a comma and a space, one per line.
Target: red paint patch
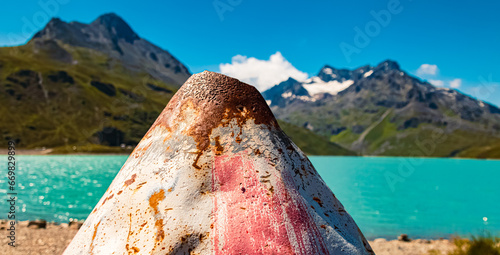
269, 224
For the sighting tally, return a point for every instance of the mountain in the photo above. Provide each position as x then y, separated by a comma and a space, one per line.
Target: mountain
94, 87
382, 110
111, 35
84, 84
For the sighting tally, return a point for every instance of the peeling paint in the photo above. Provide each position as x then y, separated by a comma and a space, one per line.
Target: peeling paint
216, 175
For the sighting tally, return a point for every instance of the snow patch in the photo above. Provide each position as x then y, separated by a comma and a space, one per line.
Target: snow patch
328, 71
316, 86
292, 96
445, 89
368, 73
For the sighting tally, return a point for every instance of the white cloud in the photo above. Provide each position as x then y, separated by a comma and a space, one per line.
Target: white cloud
262, 74
456, 83
427, 69
438, 83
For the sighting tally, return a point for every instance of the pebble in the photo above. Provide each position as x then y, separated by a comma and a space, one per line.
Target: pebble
75, 224
37, 224
404, 238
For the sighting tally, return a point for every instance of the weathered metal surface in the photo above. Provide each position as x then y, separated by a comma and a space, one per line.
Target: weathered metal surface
216, 175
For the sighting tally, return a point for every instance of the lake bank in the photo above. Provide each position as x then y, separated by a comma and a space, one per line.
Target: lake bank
54, 238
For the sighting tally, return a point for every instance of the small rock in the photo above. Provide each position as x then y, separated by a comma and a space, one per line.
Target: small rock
23, 223
404, 238
74, 224
64, 225
380, 240
37, 224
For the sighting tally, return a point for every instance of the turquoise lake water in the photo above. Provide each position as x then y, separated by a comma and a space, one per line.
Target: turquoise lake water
425, 198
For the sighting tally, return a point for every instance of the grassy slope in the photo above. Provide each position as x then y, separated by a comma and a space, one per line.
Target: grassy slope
424, 140
68, 116
312, 143
72, 113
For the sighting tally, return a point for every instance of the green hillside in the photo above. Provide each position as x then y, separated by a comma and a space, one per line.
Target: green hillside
312, 143
92, 104
47, 103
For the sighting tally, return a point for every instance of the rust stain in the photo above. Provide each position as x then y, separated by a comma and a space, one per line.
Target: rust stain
139, 151
238, 139
119, 192
271, 189
318, 201
131, 180
160, 234
218, 148
131, 250
106, 199
140, 185
95, 230
257, 152
155, 199
93, 237
195, 163
303, 168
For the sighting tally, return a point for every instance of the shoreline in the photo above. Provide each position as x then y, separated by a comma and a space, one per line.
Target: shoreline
48, 152
39, 237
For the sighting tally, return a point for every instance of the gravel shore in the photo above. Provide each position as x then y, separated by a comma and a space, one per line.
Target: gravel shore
53, 239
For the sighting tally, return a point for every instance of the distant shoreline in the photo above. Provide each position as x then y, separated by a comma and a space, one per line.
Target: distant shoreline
49, 152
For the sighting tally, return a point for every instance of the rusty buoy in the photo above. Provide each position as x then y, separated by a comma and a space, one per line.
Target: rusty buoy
215, 174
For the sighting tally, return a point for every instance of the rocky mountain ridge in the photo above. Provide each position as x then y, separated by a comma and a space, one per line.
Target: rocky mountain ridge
382, 110
111, 35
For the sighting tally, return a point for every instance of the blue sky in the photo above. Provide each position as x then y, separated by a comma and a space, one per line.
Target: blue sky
458, 40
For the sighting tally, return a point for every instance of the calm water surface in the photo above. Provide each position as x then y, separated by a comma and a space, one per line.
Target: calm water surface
425, 198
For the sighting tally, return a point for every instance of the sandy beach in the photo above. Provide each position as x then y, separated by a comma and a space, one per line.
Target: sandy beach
53, 239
